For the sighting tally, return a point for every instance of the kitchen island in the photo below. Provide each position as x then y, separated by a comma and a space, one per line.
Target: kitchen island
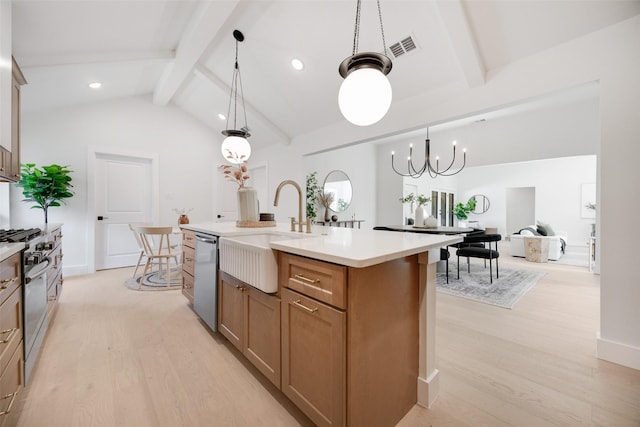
377, 290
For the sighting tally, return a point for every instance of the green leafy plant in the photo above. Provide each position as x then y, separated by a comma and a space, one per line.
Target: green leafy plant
312, 194
462, 211
420, 199
46, 187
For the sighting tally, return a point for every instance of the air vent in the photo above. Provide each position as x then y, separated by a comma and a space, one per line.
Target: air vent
402, 47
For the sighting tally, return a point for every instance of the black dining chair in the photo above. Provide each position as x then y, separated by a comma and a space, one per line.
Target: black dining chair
474, 250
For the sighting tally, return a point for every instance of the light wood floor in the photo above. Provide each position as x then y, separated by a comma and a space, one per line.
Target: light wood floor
118, 357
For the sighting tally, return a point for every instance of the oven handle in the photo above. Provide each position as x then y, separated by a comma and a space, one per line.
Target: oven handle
40, 270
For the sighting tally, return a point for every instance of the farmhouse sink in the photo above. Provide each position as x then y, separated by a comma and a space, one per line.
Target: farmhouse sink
250, 258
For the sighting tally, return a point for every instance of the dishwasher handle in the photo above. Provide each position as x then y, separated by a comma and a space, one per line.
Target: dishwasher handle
206, 239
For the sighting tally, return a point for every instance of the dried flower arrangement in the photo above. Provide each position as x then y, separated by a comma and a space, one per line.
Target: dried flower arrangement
237, 172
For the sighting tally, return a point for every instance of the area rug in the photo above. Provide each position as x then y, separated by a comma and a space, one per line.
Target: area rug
155, 281
503, 292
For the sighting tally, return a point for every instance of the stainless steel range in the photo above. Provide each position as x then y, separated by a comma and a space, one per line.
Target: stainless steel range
36, 263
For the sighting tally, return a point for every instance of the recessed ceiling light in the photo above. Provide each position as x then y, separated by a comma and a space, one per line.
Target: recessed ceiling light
95, 85
222, 116
297, 64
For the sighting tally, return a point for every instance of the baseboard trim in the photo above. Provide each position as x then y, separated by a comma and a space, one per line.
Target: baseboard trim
74, 270
428, 389
622, 354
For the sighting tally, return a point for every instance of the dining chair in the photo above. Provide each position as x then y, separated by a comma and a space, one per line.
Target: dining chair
480, 252
136, 235
157, 247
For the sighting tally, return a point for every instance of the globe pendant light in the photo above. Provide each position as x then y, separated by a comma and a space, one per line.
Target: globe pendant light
235, 147
365, 94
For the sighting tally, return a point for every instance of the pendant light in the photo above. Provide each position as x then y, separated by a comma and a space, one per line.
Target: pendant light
365, 94
235, 147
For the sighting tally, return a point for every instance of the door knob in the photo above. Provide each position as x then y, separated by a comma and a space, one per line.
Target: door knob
100, 217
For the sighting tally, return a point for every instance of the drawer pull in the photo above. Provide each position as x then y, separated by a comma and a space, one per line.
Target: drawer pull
188, 259
10, 332
13, 397
297, 303
306, 279
240, 288
7, 281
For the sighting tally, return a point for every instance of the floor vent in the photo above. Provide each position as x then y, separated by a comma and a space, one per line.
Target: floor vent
402, 47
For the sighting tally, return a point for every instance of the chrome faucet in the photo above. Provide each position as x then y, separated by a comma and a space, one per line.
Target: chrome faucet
275, 203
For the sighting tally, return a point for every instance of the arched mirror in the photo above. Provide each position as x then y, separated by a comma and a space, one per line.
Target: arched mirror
482, 203
337, 182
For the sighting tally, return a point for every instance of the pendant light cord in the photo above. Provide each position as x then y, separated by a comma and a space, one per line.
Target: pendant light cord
233, 96
356, 31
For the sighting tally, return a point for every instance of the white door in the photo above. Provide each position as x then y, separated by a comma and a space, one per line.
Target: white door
123, 195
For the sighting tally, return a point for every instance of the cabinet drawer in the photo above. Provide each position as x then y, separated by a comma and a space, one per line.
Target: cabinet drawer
11, 383
56, 259
320, 280
188, 259
188, 238
10, 276
10, 326
187, 286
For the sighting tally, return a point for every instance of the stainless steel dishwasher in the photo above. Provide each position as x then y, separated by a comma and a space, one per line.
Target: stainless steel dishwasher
205, 283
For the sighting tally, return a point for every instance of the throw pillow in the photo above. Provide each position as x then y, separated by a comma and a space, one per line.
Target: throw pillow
526, 232
548, 231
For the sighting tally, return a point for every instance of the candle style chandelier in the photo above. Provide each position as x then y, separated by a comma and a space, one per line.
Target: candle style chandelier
433, 172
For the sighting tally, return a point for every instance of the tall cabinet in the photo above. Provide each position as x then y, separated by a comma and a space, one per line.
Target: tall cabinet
10, 160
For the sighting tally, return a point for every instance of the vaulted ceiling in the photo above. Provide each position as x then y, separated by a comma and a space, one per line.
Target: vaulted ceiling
183, 51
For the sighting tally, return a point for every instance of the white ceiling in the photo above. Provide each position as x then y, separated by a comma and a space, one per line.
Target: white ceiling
183, 51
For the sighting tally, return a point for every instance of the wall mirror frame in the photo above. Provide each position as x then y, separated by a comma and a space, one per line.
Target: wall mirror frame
482, 203
338, 183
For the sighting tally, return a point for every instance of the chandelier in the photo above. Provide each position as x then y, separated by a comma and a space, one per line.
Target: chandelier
365, 94
235, 147
427, 166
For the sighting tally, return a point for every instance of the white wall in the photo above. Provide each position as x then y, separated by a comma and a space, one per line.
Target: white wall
558, 189
356, 162
188, 154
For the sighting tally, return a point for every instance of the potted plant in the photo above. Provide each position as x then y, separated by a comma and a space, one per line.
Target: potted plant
462, 211
312, 194
419, 199
46, 187
326, 198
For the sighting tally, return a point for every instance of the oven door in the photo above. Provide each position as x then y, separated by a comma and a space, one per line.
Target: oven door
35, 312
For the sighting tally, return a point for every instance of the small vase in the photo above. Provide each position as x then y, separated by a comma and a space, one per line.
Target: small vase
431, 222
419, 218
327, 214
248, 207
183, 219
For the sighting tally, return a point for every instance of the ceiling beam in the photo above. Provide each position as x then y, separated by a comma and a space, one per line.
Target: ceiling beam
28, 61
205, 23
462, 40
204, 72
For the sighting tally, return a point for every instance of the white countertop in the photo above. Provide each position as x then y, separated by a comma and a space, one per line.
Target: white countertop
8, 249
345, 246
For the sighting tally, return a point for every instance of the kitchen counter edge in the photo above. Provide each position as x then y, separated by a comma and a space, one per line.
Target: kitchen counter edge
344, 246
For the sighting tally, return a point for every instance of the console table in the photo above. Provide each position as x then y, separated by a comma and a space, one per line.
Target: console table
349, 223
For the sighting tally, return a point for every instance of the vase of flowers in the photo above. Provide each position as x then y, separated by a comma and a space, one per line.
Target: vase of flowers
420, 200
248, 207
325, 199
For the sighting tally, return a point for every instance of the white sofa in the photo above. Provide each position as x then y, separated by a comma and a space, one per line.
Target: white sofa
555, 244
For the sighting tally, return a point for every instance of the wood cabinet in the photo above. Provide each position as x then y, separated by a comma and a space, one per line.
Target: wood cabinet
11, 328
314, 358
10, 160
350, 339
188, 260
250, 320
